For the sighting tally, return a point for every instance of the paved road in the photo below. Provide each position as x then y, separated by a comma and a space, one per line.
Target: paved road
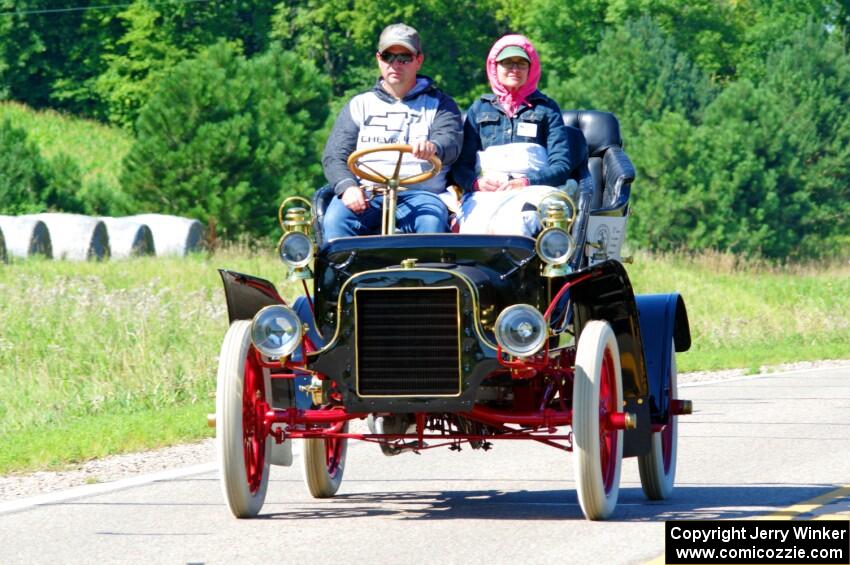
754, 447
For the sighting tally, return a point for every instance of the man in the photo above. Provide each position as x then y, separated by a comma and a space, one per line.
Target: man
403, 107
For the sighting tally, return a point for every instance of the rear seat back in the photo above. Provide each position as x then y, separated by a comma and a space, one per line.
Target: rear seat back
610, 168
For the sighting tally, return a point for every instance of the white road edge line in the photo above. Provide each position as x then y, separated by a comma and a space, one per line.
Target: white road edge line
85, 491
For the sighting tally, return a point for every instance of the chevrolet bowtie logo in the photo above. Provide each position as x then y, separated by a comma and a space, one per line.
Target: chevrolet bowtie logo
393, 121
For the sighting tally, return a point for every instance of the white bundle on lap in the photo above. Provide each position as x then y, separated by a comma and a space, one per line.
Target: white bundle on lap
507, 212
501, 162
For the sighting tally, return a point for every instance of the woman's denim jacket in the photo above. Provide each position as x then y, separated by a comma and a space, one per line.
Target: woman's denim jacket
487, 124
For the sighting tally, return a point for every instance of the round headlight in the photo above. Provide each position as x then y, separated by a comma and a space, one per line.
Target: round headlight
296, 249
555, 246
521, 330
276, 331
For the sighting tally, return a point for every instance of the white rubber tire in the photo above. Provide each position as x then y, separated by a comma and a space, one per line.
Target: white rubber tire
597, 495
320, 481
656, 478
243, 501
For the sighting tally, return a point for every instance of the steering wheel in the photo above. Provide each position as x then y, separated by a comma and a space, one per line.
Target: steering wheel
364, 171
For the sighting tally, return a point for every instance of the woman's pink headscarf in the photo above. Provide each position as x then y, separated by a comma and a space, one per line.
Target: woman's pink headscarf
511, 101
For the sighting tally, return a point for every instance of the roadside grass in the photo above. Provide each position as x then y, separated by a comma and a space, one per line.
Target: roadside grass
102, 358
98, 149
748, 314
77, 439
111, 357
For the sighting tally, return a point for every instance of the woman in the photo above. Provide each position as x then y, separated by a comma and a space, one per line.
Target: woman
515, 148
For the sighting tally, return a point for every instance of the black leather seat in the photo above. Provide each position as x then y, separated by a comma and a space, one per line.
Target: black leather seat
610, 169
321, 201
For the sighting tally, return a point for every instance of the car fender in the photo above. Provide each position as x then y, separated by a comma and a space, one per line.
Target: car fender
608, 296
663, 325
246, 294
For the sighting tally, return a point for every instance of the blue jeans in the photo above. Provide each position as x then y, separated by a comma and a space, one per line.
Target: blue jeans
417, 211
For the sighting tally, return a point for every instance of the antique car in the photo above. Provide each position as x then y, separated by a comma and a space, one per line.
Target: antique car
445, 340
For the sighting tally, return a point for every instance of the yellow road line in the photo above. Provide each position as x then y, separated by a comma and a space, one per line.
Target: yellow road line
810, 507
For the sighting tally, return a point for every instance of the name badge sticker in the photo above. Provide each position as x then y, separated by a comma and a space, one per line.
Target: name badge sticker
526, 129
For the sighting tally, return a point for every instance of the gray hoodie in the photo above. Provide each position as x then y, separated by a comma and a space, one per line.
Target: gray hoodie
375, 118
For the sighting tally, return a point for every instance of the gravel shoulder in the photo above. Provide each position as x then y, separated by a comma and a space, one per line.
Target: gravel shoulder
117, 467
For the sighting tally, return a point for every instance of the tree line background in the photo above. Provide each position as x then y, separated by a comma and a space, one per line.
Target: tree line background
735, 112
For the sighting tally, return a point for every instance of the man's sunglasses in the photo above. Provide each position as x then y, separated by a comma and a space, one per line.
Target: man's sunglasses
403, 58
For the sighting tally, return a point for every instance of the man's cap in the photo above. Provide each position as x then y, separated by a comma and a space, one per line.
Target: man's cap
512, 51
400, 34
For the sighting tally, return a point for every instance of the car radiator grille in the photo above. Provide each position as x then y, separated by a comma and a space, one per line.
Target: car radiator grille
408, 342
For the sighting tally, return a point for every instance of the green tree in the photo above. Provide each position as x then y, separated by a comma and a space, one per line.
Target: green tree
668, 204
224, 138
23, 177
638, 74
703, 187
705, 30
341, 36
157, 36
63, 190
729, 37
807, 142
28, 182
766, 172
49, 57
766, 26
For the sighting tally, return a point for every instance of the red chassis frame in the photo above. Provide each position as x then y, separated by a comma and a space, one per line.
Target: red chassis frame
536, 424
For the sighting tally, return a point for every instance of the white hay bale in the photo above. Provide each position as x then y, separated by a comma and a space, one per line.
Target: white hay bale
76, 237
2, 247
172, 235
128, 238
26, 236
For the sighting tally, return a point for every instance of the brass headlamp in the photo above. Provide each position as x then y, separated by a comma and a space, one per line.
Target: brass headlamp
295, 218
557, 210
555, 246
296, 247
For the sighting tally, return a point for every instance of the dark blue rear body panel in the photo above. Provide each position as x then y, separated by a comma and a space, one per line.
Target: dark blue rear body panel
663, 323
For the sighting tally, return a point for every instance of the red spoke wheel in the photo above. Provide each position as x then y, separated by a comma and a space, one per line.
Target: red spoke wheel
324, 464
598, 448
658, 467
243, 448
